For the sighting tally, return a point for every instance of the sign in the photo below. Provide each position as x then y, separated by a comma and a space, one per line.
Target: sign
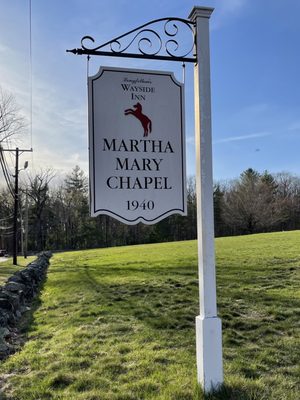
136, 145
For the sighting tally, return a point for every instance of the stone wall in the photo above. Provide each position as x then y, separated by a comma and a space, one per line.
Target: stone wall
16, 296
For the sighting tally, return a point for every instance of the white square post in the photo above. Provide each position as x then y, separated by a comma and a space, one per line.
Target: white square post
208, 325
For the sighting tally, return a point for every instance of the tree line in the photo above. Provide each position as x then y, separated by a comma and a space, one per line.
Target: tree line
57, 218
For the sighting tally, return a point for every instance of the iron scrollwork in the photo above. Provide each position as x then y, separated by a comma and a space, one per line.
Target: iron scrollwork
170, 39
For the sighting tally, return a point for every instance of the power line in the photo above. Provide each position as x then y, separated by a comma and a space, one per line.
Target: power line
30, 77
30, 68
7, 169
5, 172
16, 196
6, 177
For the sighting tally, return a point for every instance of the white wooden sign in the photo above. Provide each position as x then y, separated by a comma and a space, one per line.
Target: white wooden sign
136, 145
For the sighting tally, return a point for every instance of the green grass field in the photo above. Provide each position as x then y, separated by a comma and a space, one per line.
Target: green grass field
7, 268
119, 324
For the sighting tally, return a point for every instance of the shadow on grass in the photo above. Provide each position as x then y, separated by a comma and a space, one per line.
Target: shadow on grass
168, 303
2, 396
27, 319
24, 325
238, 391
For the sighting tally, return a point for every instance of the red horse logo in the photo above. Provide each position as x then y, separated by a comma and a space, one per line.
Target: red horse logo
144, 120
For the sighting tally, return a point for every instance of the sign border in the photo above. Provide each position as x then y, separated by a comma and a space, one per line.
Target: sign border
92, 184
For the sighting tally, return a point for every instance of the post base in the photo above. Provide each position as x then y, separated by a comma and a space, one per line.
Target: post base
209, 352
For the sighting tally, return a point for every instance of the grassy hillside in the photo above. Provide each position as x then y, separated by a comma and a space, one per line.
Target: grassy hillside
118, 324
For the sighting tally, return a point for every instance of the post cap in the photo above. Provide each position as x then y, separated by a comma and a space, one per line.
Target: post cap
204, 12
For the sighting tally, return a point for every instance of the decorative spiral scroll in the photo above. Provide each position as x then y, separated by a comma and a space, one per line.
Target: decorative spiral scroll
168, 38
141, 43
167, 29
86, 38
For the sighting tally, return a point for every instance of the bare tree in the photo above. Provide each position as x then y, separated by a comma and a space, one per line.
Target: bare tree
6, 219
11, 120
253, 204
39, 193
289, 195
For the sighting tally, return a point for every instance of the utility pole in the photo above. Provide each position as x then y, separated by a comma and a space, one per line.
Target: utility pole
26, 225
15, 235
17, 152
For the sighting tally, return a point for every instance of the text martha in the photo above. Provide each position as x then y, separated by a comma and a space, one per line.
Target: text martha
150, 158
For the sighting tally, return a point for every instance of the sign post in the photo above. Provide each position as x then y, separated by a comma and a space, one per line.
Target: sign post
127, 158
208, 325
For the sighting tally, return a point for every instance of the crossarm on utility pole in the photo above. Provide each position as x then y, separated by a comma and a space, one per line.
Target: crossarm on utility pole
17, 152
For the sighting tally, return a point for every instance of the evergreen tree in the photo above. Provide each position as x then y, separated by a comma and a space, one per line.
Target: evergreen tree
218, 196
77, 209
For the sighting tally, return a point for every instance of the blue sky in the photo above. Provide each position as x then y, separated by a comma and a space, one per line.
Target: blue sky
255, 64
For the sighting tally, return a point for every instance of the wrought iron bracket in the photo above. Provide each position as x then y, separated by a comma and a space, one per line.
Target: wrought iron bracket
170, 39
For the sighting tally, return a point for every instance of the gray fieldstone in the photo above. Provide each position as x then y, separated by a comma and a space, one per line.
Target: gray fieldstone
16, 297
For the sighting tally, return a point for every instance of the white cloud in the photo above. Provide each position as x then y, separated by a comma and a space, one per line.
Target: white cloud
190, 140
225, 9
60, 161
230, 6
295, 126
242, 137
59, 120
3, 48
